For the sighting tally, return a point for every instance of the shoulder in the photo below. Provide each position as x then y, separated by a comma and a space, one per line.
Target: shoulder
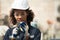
9, 30
37, 30
34, 29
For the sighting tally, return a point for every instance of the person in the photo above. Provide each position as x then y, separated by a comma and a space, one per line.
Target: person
6, 22
57, 28
54, 29
21, 17
50, 31
3, 29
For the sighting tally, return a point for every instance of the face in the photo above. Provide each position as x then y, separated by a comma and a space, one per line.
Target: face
20, 15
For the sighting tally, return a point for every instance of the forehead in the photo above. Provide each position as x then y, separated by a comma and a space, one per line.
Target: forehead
18, 10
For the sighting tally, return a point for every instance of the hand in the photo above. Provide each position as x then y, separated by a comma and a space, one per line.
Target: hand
14, 32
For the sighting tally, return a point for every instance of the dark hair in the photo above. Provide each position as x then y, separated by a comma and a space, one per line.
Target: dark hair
30, 16
58, 19
58, 9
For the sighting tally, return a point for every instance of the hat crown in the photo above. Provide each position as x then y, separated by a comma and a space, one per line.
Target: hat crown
20, 4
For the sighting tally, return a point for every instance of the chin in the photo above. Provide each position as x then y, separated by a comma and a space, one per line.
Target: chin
19, 21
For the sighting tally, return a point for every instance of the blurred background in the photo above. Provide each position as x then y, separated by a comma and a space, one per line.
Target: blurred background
46, 11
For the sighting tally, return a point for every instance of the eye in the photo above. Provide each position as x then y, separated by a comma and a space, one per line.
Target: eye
22, 14
16, 14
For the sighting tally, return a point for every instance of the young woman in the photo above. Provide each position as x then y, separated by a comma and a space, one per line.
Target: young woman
22, 15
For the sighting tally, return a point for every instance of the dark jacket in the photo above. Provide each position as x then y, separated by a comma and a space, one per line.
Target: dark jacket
32, 31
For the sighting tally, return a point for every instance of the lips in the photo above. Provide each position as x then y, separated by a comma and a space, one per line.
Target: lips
19, 19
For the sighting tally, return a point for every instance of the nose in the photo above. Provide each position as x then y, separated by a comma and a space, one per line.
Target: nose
19, 16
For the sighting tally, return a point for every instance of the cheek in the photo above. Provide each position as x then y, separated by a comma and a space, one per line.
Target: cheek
25, 17
15, 17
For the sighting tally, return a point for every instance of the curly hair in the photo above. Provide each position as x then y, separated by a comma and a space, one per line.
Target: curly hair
30, 16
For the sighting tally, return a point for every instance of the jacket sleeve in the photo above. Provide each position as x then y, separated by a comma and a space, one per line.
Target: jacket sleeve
6, 37
37, 35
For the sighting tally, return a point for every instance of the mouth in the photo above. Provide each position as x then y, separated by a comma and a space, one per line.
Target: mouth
19, 20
